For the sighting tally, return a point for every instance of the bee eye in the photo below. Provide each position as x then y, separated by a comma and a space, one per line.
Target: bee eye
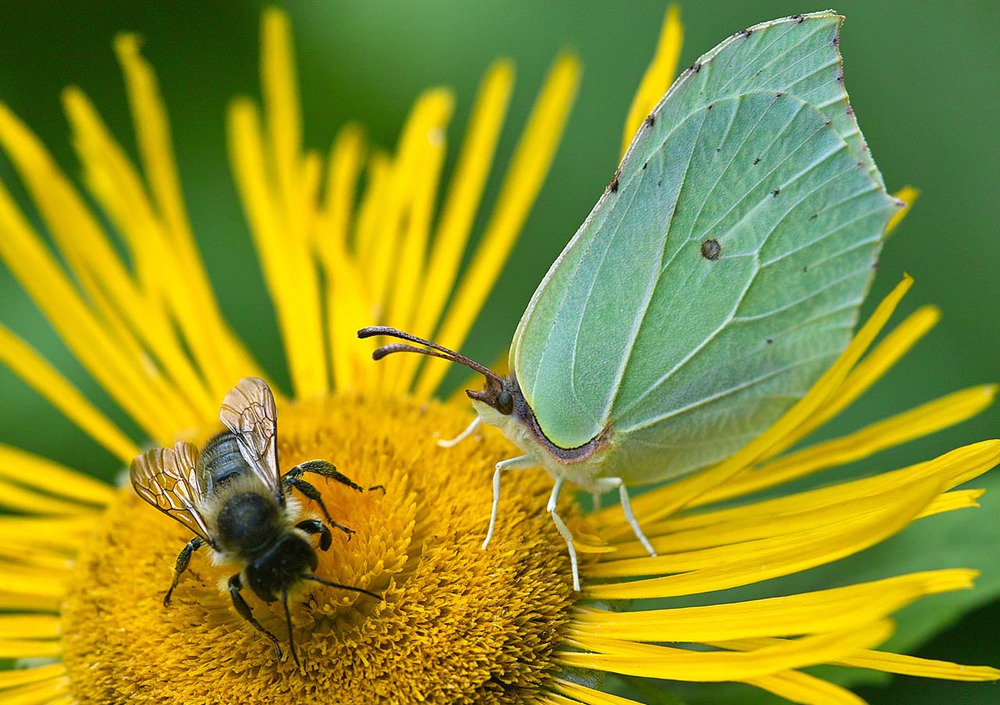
505, 402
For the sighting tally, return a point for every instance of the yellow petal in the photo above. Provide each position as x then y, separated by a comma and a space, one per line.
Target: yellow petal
650, 661
524, 179
48, 382
907, 195
799, 687
806, 613
658, 76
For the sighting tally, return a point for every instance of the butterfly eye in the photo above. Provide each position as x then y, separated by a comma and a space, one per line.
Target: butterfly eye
505, 402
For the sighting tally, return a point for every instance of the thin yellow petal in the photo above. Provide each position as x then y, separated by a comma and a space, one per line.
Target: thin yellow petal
658, 76
345, 304
221, 355
398, 260
524, 178
289, 269
117, 187
907, 195
46, 380
887, 353
23, 676
63, 533
807, 613
787, 513
727, 566
44, 279
915, 423
284, 237
649, 661
950, 501
41, 474
28, 648
799, 687
583, 694
914, 666
462, 202
38, 694
668, 500
29, 626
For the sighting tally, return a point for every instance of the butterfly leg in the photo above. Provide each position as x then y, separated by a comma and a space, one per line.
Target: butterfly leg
314, 526
241, 606
183, 558
522, 462
564, 531
606, 484
469, 430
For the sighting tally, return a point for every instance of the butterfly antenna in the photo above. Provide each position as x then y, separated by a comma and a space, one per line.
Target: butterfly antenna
342, 587
430, 349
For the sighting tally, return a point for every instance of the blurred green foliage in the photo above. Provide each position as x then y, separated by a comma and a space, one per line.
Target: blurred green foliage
924, 79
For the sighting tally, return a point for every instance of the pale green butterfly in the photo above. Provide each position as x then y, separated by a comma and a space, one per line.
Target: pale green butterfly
716, 279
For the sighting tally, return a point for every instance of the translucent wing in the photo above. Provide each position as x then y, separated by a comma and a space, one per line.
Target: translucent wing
722, 271
249, 412
168, 478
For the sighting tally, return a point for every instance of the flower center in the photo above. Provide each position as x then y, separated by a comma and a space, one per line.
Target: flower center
455, 623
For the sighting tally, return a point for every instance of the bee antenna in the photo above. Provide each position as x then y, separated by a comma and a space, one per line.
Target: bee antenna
342, 587
288, 621
434, 351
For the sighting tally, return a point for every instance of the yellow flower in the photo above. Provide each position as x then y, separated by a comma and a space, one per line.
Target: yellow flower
346, 239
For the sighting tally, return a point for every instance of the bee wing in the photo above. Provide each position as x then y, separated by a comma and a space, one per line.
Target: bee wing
249, 412
168, 478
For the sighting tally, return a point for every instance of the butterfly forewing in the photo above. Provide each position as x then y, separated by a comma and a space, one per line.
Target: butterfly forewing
250, 413
169, 479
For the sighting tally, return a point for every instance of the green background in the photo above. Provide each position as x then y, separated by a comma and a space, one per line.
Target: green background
924, 79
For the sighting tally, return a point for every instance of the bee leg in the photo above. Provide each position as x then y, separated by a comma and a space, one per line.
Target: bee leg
313, 526
235, 585
183, 558
293, 478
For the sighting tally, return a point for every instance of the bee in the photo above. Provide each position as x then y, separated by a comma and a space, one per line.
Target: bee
232, 495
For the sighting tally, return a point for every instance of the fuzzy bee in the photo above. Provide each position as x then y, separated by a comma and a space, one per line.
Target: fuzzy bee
233, 497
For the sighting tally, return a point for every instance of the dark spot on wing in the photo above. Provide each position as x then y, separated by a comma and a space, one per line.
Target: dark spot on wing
696, 67
645, 165
660, 182
746, 33
836, 39
799, 18
710, 249
650, 120
814, 216
805, 269
613, 186
779, 94
710, 106
718, 149
850, 110
770, 340
840, 77
775, 192
756, 161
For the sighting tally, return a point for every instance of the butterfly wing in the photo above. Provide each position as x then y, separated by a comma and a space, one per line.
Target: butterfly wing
170, 480
722, 270
250, 413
